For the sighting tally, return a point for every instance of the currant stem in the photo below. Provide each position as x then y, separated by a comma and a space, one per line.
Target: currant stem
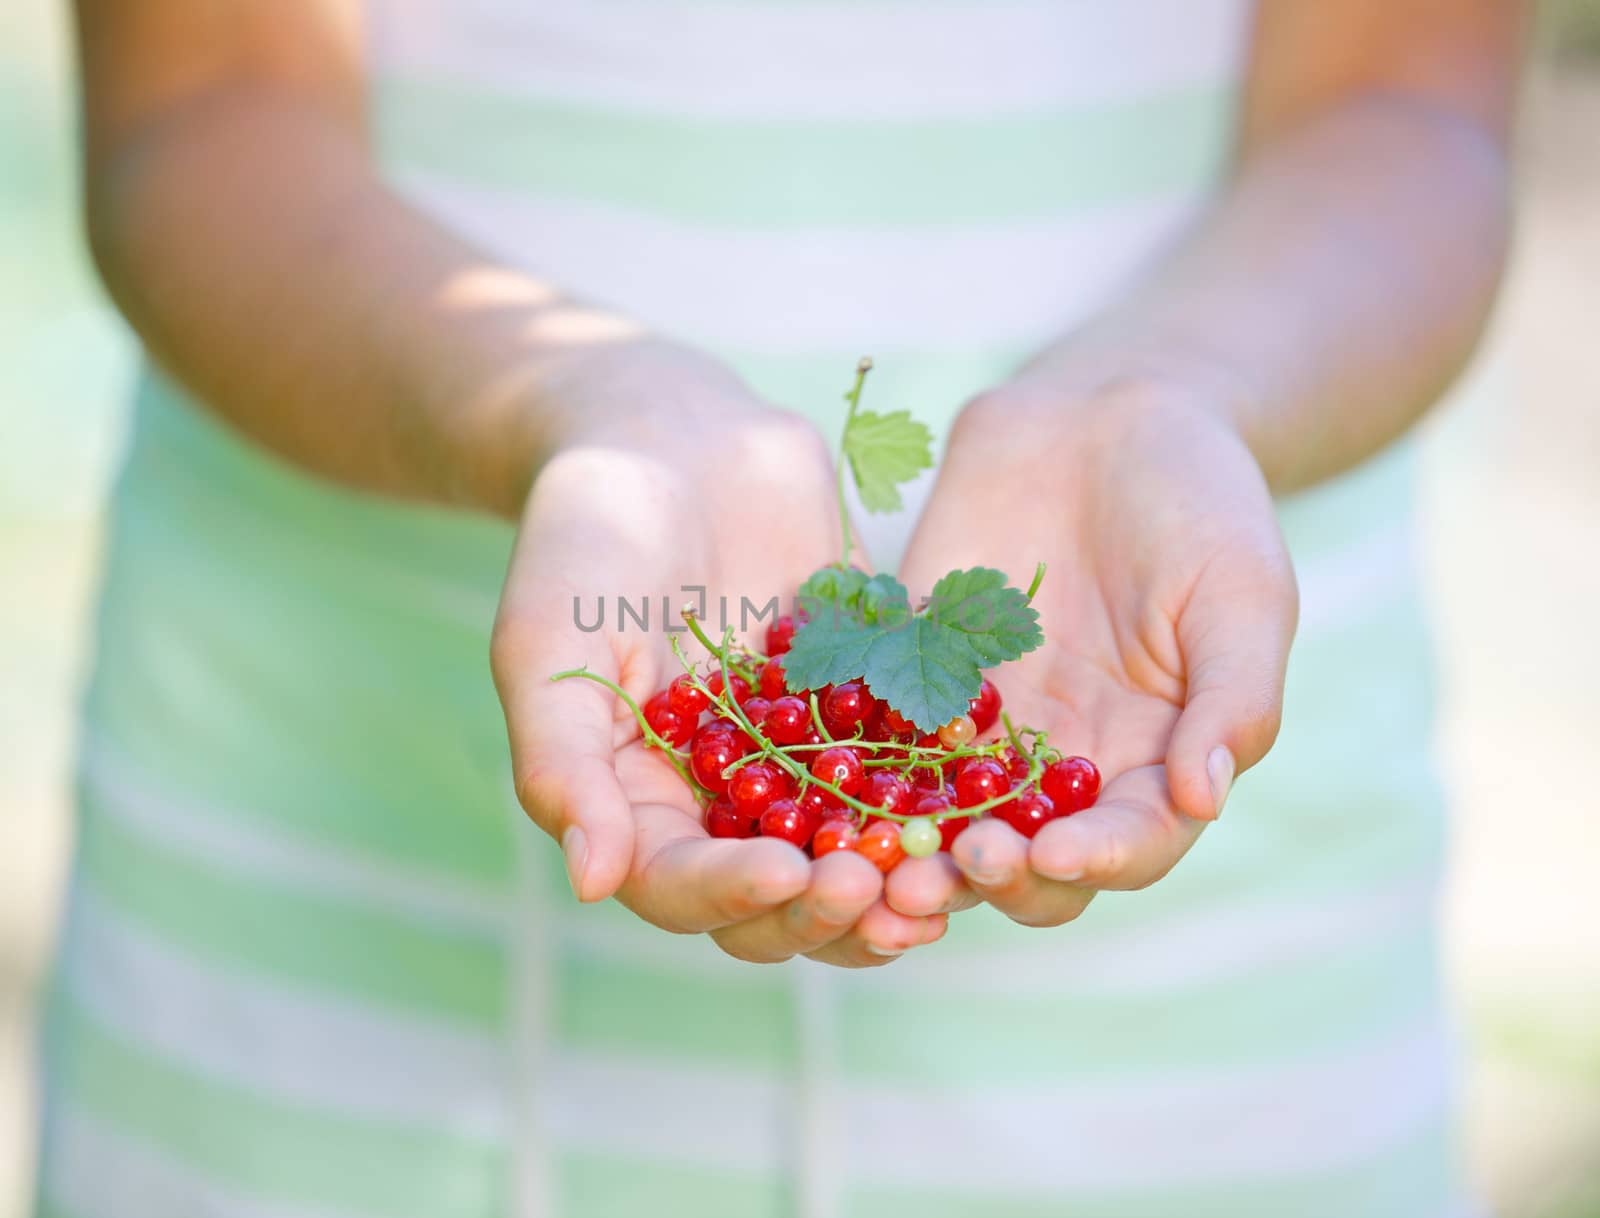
854, 398
1038, 578
652, 738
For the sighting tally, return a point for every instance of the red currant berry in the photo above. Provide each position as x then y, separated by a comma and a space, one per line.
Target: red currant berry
781, 633
724, 820
835, 833
1029, 812
929, 740
928, 778
773, 684
957, 732
980, 779
879, 844
887, 792
846, 708
896, 725
685, 697
984, 710
819, 801
812, 736
756, 709
714, 750
951, 828
840, 766
1071, 784
676, 729
787, 720
755, 786
739, 686
1015, 763
788, 821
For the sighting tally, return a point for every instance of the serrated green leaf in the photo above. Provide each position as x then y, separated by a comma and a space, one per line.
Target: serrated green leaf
997, 618
885, 450
927, 665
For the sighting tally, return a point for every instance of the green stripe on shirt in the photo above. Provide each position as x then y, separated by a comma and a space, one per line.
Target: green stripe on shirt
773, 174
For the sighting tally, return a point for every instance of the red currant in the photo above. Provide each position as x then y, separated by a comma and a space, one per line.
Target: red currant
781, 633
984, 710
840, 766
823, 803
756, 709
1028, 813
957, 732
714, 750
812, 736
755, 786
685, 697
951, 828
835, 833
879, 844
980, 779
788, 821
724, 820
886, 791
1072, 784
846, 708
1015, 763
738, 685
787, 720
773, 684
895, 725
675, 728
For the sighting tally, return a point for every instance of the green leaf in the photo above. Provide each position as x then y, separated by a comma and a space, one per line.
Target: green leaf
926, 665
885, 450
999, 622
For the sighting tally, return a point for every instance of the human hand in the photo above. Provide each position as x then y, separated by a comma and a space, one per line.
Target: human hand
1168, 612
669, 475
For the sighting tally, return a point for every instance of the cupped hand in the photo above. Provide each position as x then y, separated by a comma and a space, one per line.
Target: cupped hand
1168, 610
670, 475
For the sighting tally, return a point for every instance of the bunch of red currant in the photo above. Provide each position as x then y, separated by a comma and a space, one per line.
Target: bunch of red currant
838, 769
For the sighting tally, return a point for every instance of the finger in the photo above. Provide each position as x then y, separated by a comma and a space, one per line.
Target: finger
691, 883
843, 887
919, 887
1129, 839
879, 936
994, 858
563, 753
1235, 634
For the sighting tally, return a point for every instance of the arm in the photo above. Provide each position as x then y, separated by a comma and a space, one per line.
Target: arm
239, 224
1334, 289
1342, 280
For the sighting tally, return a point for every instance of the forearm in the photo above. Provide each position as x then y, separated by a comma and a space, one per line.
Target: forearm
1332, 293
248, 240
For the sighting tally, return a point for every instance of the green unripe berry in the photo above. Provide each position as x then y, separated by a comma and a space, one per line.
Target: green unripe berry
919, 838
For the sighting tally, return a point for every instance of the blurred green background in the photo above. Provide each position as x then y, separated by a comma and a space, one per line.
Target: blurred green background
1513, 498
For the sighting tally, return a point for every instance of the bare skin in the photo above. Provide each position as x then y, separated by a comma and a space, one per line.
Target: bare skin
239, 224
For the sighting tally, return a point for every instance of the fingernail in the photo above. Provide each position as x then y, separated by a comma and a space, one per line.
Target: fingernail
575, 845
885, 951
1219, 771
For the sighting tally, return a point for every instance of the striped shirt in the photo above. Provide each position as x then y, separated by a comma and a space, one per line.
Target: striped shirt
317, 965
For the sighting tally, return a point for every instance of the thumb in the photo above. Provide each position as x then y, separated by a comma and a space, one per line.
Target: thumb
563, 761
1234, 634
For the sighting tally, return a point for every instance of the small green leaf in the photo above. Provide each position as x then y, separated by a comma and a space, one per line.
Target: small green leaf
885, 450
